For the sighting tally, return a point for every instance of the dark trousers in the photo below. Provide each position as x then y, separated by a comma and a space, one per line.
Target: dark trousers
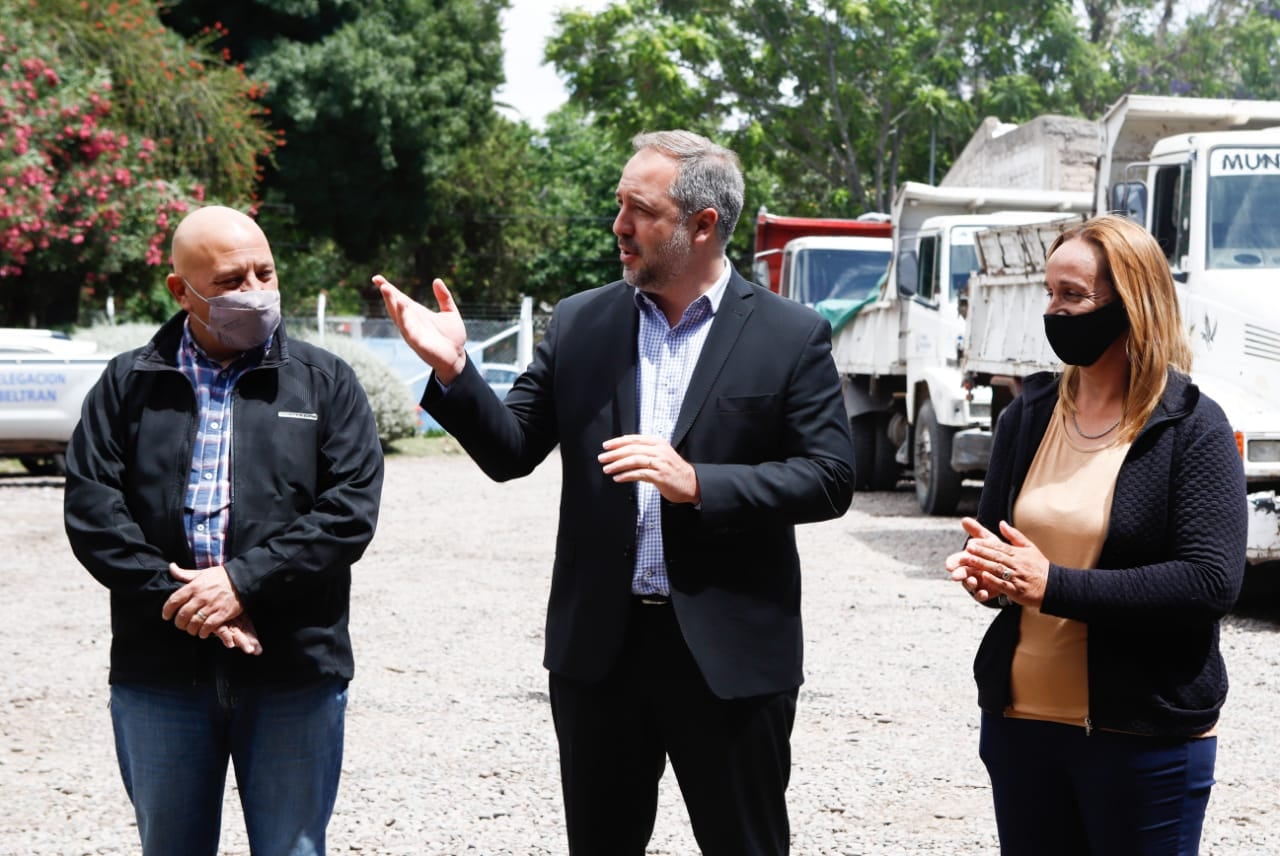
732, 758
1060, 792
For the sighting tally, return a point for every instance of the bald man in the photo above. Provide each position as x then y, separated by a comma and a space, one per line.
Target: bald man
221, 482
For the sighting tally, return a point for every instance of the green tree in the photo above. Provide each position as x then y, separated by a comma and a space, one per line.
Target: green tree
833, 103
832, 95
575, 168
379, 103
204, 114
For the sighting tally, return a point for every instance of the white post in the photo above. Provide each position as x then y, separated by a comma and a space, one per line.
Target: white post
321, 299
524, 339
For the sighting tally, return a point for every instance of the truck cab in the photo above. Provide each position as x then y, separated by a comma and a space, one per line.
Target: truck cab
774, 232
816, 268
1212, 201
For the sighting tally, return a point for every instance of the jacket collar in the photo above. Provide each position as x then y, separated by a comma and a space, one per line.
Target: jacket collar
162, 351
1176, 402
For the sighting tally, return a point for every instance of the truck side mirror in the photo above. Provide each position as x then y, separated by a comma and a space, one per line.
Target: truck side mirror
1129, 198
908, 273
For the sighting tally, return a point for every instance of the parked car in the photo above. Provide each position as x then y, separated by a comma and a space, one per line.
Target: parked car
44, 377
499, 376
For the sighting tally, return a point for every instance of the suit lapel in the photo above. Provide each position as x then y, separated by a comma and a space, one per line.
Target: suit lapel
623, 317
735, 308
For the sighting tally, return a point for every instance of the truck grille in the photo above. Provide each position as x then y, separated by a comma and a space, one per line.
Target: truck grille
1264, 451
1261, 342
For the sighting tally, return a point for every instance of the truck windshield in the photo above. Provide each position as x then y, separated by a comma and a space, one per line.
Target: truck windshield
837, 274
1244, 208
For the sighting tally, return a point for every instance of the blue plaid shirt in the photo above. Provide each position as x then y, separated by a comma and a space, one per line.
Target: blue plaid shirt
207, 510
667, 359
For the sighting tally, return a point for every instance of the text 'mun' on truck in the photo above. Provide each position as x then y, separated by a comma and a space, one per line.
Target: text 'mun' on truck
811, 259
1203, 176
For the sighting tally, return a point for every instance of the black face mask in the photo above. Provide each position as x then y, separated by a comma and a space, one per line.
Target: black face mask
1079, 340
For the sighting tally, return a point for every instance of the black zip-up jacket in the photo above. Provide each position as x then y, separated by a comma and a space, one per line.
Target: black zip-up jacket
1171, 565
306, 471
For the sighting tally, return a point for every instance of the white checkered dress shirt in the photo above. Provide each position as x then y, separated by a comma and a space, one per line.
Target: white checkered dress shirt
667, 359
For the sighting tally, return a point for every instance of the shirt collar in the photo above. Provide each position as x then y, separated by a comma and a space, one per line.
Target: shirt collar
197, 354
714, 295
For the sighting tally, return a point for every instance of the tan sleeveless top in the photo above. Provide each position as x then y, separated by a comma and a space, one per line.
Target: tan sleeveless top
1063, 509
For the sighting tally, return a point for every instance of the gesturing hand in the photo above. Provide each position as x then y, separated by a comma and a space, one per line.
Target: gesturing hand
439, 338
637, 457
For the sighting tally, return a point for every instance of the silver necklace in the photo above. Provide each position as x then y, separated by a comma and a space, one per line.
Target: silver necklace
1099, 436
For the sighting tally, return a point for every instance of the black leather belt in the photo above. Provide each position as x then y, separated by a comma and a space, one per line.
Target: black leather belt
652, 599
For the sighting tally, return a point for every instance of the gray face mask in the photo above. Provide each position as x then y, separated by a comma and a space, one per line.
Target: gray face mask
241, 320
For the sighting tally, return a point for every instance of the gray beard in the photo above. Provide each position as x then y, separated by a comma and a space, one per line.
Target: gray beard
653, 279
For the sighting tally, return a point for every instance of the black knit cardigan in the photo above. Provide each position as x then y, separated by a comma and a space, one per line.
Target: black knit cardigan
1171, 565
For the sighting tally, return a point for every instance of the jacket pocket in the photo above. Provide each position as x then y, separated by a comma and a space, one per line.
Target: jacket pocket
746, 403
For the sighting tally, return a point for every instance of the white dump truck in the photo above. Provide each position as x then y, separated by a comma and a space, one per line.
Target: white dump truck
44, 378
898, 352
1198, 176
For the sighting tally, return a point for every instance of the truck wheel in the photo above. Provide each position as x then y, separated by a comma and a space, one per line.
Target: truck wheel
863, 428
874, 467
937, 485
884, 471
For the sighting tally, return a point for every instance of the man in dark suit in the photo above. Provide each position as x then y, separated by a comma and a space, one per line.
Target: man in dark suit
699, 419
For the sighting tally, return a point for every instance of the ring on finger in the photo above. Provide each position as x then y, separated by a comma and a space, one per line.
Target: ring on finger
1006, 574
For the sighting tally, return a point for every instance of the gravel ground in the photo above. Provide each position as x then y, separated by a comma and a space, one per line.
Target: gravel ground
450, 748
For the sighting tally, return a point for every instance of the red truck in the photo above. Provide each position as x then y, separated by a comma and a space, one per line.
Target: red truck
810, 259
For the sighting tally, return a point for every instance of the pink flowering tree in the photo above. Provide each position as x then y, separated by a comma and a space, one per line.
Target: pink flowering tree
87, 202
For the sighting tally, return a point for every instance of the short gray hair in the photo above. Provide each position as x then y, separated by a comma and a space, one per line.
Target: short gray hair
709, 176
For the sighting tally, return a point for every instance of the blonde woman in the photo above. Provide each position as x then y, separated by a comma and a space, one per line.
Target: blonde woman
1111, 538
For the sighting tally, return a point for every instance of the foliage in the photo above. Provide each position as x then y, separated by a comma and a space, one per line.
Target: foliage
387, 110
88, 200
768, 70
389, 396
309, 264
205, 115
574, 169
80, 200
833, 103
117, 338
487, 222
374, 99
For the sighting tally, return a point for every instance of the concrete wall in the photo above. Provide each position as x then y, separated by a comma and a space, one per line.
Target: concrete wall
1047, 153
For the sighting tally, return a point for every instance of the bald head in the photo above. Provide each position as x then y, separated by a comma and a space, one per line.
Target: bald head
208, 231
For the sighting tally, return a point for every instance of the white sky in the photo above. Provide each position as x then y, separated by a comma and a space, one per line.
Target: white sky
532, 89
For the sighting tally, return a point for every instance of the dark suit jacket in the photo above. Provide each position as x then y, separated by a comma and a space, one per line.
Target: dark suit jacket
762, 422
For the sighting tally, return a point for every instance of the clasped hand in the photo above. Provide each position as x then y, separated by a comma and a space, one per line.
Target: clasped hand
990, 566
208, 605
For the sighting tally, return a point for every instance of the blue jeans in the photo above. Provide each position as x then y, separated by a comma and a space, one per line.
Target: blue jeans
1060, 792
173, 744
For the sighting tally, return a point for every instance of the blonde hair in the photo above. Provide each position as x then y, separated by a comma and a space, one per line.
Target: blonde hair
1131, 260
